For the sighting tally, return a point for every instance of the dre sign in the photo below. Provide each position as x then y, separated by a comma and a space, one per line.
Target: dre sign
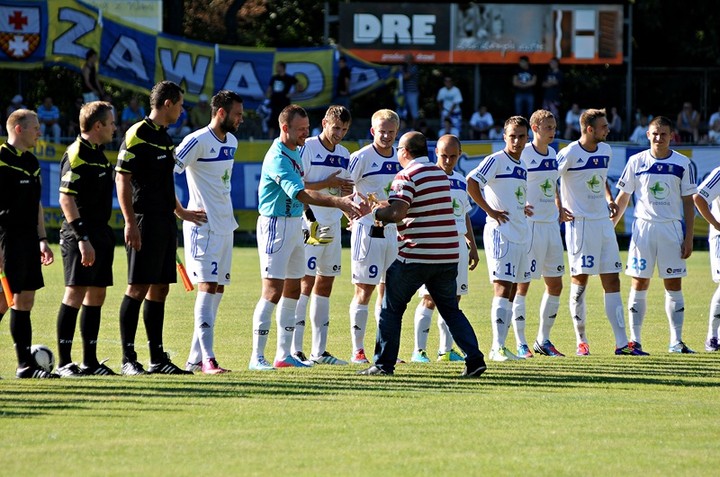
391, 28
394, 29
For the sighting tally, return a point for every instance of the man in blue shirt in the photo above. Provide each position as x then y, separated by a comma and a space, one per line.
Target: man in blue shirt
281, 195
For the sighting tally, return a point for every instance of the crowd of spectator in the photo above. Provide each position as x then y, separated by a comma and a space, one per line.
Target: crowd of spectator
433, 115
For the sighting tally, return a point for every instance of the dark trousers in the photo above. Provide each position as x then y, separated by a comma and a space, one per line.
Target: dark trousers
402, 281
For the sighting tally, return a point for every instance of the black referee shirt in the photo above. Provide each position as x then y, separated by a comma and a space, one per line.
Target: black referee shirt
147, 154
19, 188
86, 174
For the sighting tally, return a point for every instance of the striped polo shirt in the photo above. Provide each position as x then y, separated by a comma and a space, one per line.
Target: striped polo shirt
428, 233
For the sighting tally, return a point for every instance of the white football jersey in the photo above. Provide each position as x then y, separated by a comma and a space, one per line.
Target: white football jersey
373, 173
709, 189
460, 200
208, 163
659, 185
542, 178
582, 180
319, 163
504, 184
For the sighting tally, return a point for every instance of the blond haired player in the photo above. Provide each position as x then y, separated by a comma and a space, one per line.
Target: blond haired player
545, 249
373, 245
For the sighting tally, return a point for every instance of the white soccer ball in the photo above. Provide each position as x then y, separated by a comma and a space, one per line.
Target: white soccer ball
43, 356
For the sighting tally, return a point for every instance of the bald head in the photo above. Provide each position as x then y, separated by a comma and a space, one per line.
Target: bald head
448, 140
447, 152
414, 143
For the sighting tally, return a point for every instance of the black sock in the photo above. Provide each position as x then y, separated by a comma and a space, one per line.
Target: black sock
21, 331
89, 329
154, 316
66, 321
129, 317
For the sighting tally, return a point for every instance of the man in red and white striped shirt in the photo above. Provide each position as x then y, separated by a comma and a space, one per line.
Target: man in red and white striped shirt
428, 254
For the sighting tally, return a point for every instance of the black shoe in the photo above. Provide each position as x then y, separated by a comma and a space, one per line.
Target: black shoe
70, 370
374, 371
132, 368
166, 367
97, 370
474, 369
34, 372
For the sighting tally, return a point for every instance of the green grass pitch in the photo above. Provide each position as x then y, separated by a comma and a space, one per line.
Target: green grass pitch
597, 415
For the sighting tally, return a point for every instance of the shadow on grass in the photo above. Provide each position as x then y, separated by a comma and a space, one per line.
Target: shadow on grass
170, 394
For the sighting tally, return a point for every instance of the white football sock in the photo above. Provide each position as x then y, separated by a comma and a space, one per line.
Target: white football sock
675, 310
518, 319
300, 314
500, 317
285, 320
714, 321
423, 320
217, 297
549, 306
578, 312
262, 316
444, 336
637, 308
616, 316
358, 324
196, 354
320, 320
205, 323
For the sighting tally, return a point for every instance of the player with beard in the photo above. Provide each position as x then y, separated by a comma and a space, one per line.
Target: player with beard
207, 157
325, 163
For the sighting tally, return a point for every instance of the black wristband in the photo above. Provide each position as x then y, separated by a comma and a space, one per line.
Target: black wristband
40, 239
79, 229
309, 215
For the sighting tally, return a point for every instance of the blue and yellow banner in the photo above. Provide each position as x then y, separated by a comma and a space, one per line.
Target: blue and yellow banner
34, 34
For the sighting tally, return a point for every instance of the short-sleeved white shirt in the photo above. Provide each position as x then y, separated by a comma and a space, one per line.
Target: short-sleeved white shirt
504, 183
460, 201
208, 163
542, 178
373, 173
318, 164
658, 184
709, 190
582, 179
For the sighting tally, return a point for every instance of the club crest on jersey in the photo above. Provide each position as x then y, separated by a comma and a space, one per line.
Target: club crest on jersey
547, 188
19, 31
594, 184
659, 190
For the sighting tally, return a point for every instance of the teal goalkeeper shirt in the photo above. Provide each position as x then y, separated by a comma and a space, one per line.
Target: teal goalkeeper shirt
281, 179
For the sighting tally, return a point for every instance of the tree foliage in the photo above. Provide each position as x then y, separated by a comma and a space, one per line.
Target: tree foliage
255, 23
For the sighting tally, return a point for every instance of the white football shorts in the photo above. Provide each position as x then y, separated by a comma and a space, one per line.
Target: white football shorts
208, 256
655, 243
280, 247
592, 247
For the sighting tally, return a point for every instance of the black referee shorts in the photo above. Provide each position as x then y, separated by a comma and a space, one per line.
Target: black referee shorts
21, 251
154, 263
100, 273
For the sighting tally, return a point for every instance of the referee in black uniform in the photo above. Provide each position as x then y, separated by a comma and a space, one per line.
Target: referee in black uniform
146, 192
87, 242
22, 226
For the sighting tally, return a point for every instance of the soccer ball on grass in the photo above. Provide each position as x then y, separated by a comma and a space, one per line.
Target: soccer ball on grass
43, 356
